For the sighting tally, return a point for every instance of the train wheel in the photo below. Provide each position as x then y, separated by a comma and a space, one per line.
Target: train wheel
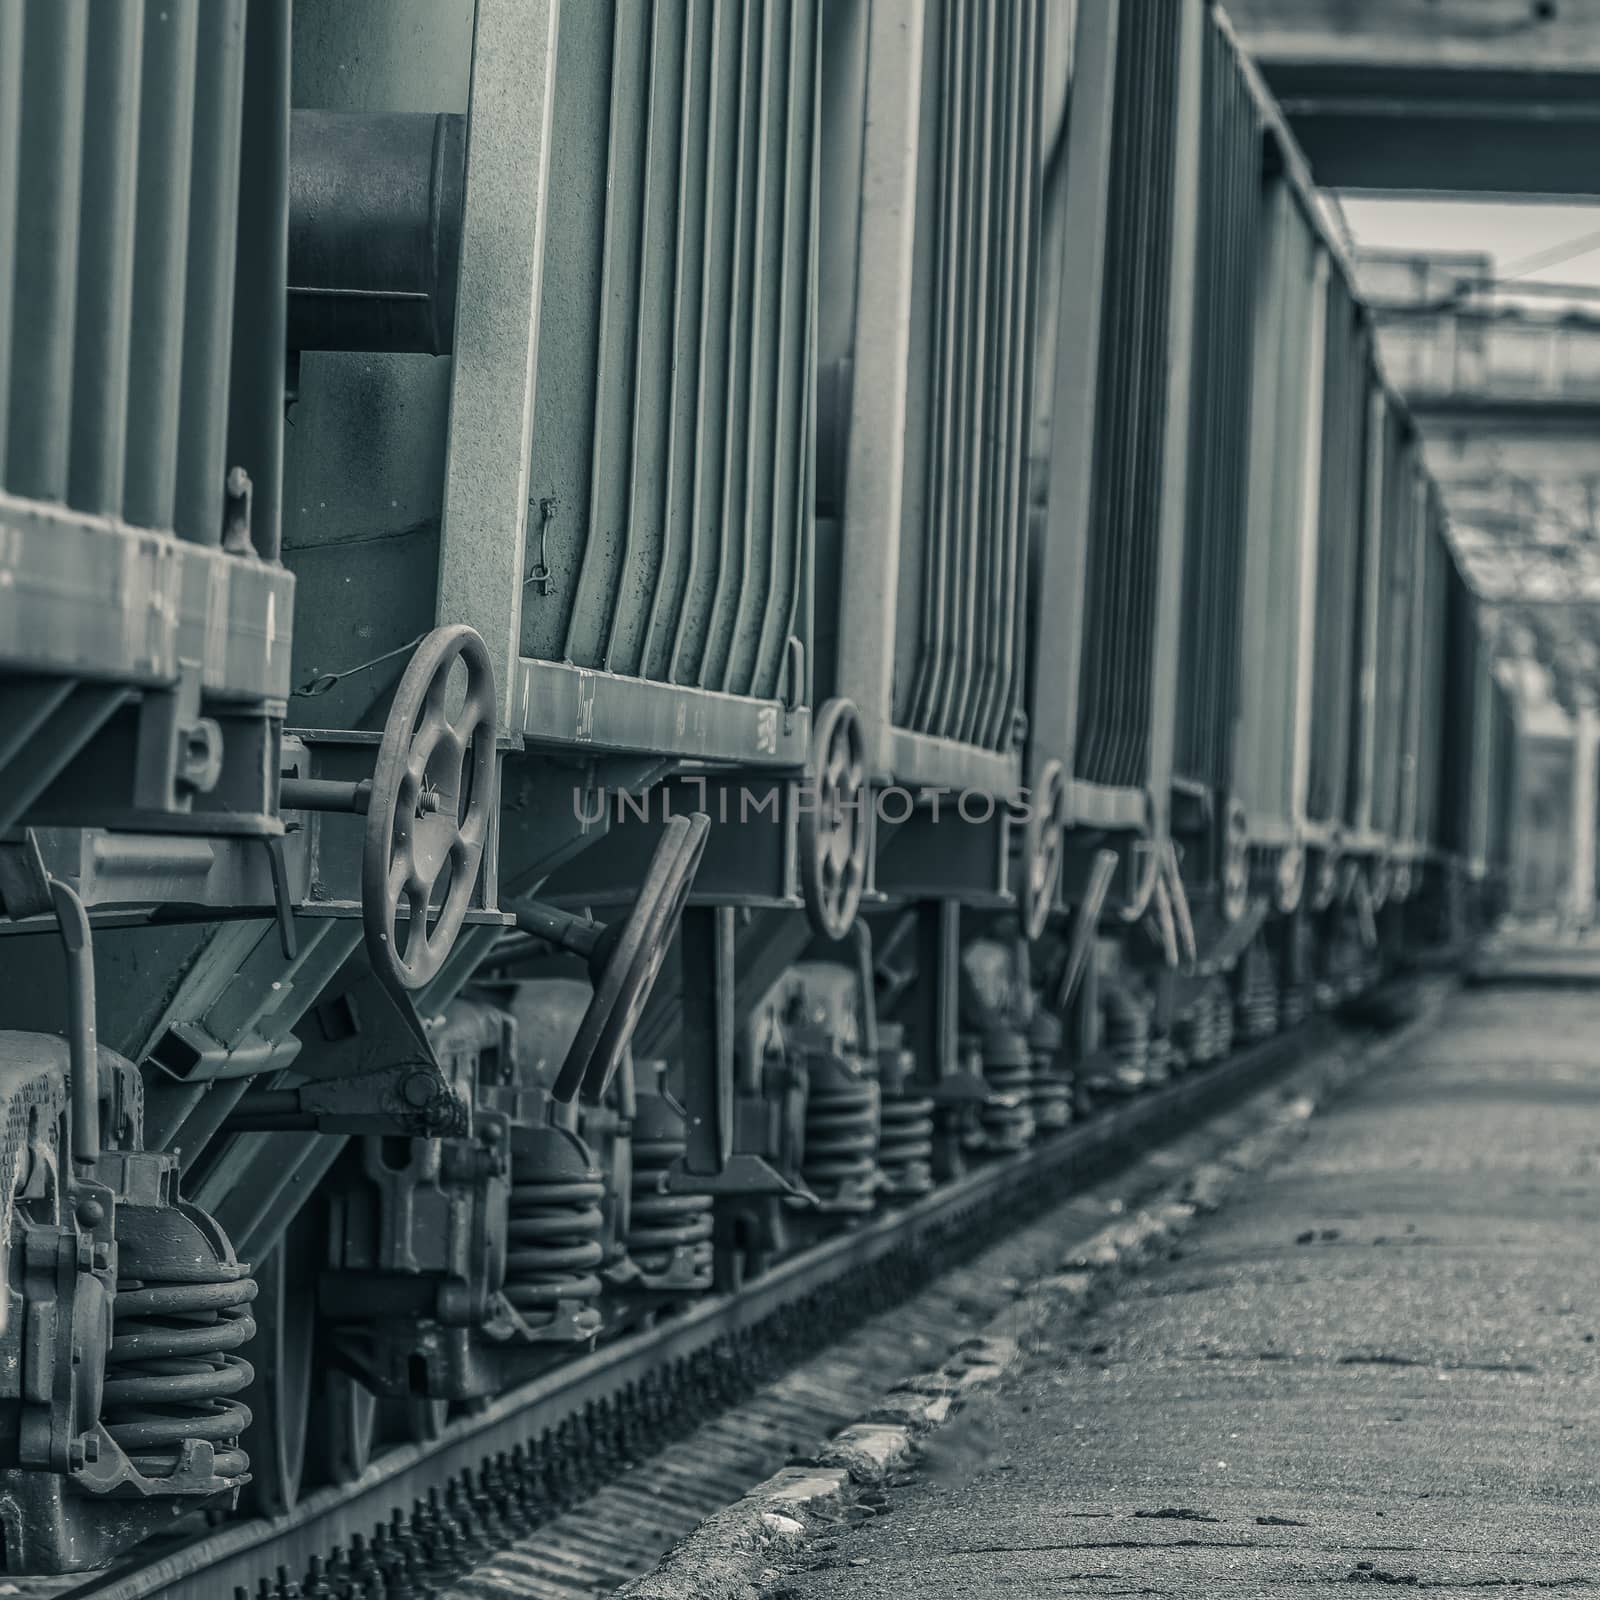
350, 1420
425, 1419
279, 1398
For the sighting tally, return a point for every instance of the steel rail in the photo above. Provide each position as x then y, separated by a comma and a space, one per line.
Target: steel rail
240, 1554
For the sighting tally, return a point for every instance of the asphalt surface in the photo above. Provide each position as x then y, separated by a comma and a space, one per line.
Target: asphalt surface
1377, 1364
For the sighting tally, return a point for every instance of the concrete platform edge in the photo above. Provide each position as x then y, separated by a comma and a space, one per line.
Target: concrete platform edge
730, 1555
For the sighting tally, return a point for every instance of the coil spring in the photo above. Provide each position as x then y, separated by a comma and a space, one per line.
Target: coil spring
1052, 1090
1257, 1006
1198, 1031
905, 1145
170, 1374
1163, 1060
1352, 968
1127, 1038
669, 1234
1222, 1004
1008, 1112
840, 1164
1052, 1098
1293, 1005
553, 1236
965, 1119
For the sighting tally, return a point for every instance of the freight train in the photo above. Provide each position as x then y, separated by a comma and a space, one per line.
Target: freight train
631, 633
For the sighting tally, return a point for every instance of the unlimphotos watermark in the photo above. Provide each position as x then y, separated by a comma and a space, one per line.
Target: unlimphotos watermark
742, 803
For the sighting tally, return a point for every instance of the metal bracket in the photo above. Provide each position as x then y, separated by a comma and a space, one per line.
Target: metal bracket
711, 1164
1153, 863
1085, 919
413, 1100
1179, 895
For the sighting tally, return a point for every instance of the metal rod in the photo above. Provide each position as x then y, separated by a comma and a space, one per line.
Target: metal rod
269, 1111
557, 927
83, 1050
324, 794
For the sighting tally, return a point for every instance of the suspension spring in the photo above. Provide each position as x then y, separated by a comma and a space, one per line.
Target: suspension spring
1222, 1009
840, 1164
1343, 973
1201, 1034
1162, 1060
554, 1250
1127, 1036
905, 1149
170, 1374
905, 1130
965, 1119
1256, 1010
1052, 1088
1008, 1112
669, 1234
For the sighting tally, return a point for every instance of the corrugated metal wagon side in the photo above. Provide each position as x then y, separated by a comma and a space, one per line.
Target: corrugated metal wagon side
1122, 751
141, 603
670, 466
932, 150
1341, 510
1272, 755
1220, 423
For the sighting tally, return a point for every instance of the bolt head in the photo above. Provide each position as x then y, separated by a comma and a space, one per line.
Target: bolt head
417, 1090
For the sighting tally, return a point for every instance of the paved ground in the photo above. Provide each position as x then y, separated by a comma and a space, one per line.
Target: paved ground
1378, 1364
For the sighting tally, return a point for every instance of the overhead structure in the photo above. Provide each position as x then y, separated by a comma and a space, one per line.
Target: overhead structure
1499, 96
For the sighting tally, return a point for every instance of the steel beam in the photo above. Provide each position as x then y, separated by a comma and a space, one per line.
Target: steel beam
875, 477
1366, 755
484, 526
1180, 411
1308, 540
1465, 95
1058, 642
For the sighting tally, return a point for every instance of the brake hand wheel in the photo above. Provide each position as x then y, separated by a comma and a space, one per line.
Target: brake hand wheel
834, 832
429, 809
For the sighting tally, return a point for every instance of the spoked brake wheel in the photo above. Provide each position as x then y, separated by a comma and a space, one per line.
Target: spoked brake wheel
834, 831
428, 816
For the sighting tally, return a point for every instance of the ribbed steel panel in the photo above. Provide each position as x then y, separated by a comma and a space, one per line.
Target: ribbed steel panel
1431, 733
959, 644
1286, 367
1397, 555
1225, 284
1463, 724
1347, 374
671, 468
1120, 605
119, 193
1503, 781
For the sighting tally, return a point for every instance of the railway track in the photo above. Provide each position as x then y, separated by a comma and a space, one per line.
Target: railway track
424, 1514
